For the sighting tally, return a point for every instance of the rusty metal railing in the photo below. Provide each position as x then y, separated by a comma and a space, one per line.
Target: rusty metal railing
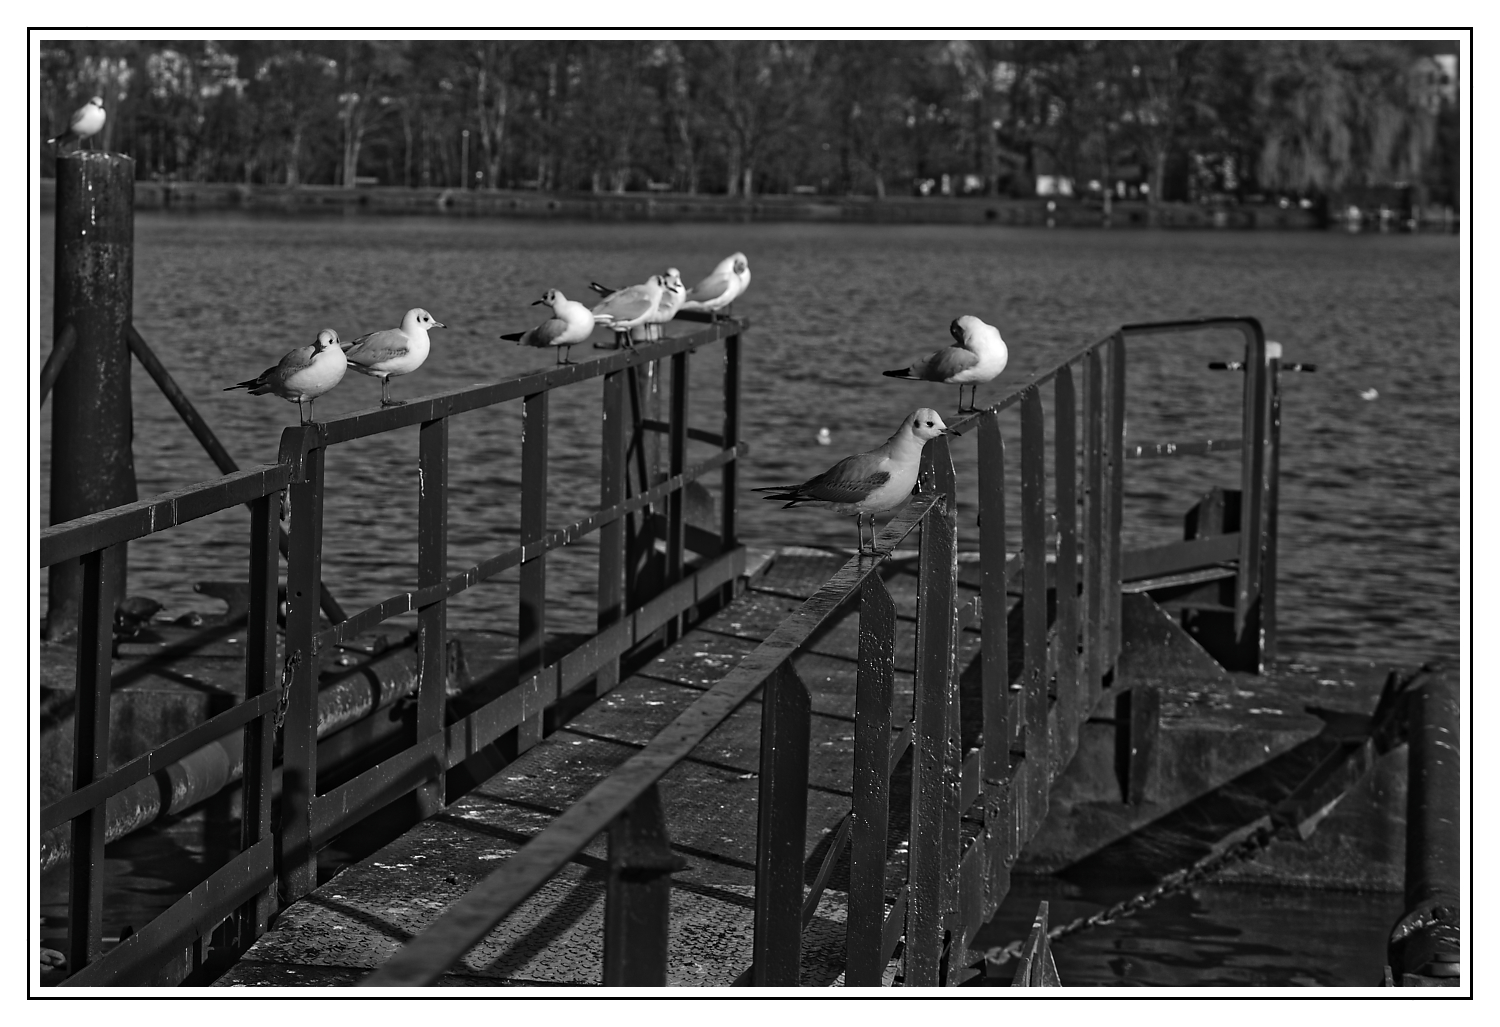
284, 853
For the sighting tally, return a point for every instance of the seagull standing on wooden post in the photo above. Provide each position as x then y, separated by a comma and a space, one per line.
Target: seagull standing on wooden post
86, 123
869, 483
394, 351
305, 373
978, 354
571, 323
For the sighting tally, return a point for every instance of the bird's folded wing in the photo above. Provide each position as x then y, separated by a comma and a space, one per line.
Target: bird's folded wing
544, 333
623, 307
710, 288
847, 481
378, 346
946, 363
294, 361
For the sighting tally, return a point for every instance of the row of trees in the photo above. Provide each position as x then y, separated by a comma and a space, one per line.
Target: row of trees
1181, 118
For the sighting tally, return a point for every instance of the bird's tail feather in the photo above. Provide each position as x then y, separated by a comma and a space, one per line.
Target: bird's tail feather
252, 383
514, 337
901, 372
602, 290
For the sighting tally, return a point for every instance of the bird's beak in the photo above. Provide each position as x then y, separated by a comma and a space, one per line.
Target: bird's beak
950, 431
438, 324
537, 303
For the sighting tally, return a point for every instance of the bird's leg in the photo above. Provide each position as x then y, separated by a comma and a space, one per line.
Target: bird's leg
300, 415
385, 394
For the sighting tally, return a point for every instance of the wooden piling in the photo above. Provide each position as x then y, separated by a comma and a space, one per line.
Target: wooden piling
92, 465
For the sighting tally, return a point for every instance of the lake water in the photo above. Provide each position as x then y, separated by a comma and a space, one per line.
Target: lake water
1370, 487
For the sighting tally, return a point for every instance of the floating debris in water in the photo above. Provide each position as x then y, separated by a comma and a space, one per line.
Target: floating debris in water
1370, 394
825, 437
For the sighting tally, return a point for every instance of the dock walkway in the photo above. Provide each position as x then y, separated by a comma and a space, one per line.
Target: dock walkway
358, 919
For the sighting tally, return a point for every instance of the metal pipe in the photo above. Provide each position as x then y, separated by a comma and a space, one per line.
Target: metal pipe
93, 467
62, 349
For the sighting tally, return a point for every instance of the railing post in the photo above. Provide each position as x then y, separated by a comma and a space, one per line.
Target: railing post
1115, 442
729, 527
1095, 553
781, 833
533, 613
1252, 486
93, 467
613, 433
676, 461
932, 872
995, 659
90, 760
1034, 602
637, 905
432, 620
260, 733
864, 953
1066, 634
298, 869
1273, 502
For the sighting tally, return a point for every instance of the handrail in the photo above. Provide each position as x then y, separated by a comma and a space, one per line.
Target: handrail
468, 920
309, 819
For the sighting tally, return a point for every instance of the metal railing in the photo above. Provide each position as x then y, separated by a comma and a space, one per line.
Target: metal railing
631, 609
956, 875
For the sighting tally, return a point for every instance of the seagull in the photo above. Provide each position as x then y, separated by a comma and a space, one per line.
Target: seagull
727, 282
395, 351
630, 306
869, 483
305, 373
571, 322
87, 121
671, 300
978, 354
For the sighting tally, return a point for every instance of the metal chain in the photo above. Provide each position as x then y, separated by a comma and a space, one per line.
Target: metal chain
1178, 880
287, 670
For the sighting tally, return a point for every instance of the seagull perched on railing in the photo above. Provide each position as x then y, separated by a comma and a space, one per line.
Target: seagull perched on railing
86, 122
869, 483
672, 292
724, 284
307, 372
395, 351
629, 307
978, 354
571, 322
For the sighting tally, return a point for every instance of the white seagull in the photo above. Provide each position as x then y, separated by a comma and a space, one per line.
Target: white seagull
869, 483
571, 322
631, 306
307, 372
726, 282
87, 121
395, 351
978, 354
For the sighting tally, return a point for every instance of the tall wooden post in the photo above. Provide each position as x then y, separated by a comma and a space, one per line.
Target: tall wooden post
92, 465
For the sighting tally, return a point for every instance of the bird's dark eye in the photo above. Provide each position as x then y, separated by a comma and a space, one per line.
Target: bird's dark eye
929, 424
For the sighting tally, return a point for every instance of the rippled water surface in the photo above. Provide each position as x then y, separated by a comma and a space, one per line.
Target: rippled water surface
1369, 516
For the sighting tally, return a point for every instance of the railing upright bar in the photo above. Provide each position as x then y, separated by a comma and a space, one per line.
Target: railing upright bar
1065, 439
637, 906
1115, 442
1252, 486
994, 658
432, 620
532, 627
1094, 556
1034, 682
259, 734
933, 759
298, 870
90, 760
676, 460
1273, 502
864, 959
781, 834
612, 468
729, 527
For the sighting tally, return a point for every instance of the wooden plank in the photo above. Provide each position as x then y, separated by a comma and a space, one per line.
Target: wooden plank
297, 859
253, 917
781, 835
637, 905
90, 760
1178, 557
1065, 632
432, 619
864, 958
612, 434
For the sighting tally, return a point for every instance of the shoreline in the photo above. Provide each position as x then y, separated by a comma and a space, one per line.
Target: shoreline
515, 203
